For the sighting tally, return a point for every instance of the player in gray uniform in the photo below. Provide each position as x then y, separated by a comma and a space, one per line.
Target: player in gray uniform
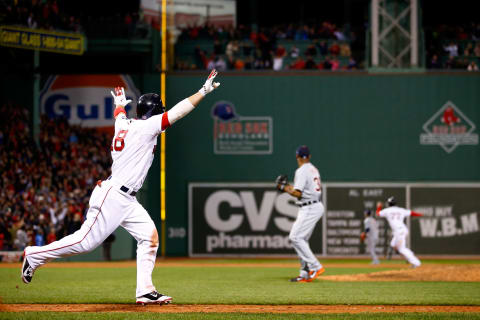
371, 235
307, 189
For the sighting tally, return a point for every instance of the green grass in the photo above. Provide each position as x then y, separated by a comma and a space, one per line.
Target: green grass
234, 316
396, 261
220, 285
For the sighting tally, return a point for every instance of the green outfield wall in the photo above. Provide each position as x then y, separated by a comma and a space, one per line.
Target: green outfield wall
360, 127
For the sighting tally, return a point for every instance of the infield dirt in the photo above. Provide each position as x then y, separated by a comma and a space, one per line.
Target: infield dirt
173, 308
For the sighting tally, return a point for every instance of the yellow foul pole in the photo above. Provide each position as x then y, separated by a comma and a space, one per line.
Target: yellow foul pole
162, 137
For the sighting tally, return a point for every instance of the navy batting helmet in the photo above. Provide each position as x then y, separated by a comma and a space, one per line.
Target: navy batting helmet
391, 201
149, 105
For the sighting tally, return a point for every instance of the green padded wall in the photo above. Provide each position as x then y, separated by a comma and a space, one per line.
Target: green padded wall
359, 127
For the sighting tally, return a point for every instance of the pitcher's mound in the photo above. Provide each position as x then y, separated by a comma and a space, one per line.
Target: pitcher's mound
465, 273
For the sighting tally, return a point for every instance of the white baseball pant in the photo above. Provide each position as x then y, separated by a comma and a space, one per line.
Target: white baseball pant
399, 241
109, 208
301, 232
371, 245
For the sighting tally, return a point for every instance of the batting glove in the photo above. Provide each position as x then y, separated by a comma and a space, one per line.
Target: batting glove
209, 85
119, 97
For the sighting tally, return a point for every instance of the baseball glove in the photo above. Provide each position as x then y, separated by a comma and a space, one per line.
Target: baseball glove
281, 182
363, 235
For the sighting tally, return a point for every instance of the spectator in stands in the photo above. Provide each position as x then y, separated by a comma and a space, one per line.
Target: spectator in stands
323, 47
298, 64
472, 66
310, 63
39, 240
21, 239
249, 63
211, 62
31, 22
280, 54
476, 50
39, 186
452, 49
345, 49
220, 64
247, 48
264, 43
51, 237
450, 63
352, 64
327, 64
335, 63
232, 49
468, 51
239, 64
302, 33
334, 49
199, 58
311, 50
339, 35
462, 63
294, 52
435, 63
217, 47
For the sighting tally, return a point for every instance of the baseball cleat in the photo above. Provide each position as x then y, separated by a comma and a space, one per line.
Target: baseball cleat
299, 279
315, 273
27, 270
154, 298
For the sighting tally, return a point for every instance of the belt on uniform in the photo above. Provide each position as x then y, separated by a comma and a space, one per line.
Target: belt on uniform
307, 203
125, 189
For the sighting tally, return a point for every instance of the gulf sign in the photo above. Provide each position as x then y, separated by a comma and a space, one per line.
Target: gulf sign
85, 99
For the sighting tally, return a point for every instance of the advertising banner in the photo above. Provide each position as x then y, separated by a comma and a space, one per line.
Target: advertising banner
255, 218
346, 204
85, 99
43, 40
236, 134
242, 219
188, 13
450, 221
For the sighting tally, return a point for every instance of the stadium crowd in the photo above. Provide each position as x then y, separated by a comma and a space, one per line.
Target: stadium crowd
245, 47
45, 188
453, 47
54, 15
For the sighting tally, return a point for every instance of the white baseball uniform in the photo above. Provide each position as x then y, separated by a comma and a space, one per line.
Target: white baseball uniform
307, 180
395, 217
113, 201
371, 229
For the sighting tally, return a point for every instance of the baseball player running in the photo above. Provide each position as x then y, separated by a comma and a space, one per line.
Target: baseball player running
370, 235
395, 217
113, 201
307, 189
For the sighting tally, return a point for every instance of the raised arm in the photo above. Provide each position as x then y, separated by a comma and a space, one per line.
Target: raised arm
120, 101
185, 106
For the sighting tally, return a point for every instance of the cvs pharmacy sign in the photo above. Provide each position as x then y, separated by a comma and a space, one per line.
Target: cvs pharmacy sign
85, 99
240, 218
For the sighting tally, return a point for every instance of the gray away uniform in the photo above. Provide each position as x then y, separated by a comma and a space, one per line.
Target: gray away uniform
371, 229
307, 180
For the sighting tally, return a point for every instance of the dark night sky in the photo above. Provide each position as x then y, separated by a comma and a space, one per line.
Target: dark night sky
269, 12
355, 11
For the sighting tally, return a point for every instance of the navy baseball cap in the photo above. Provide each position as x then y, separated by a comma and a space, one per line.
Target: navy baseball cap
303, 151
